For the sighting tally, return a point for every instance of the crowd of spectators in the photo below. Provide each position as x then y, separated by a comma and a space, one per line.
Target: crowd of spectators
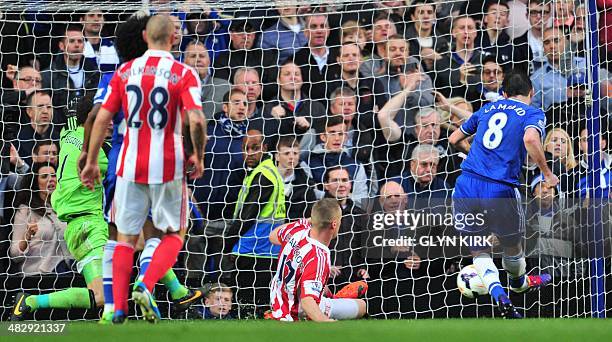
353, 102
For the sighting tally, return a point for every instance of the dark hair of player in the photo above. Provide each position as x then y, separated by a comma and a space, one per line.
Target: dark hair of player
324, 212
129, 42
516, 82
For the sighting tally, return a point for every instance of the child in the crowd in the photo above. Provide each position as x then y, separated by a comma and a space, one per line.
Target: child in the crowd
218, 299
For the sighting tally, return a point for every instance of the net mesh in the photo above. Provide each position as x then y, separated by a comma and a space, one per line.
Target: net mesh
375, 87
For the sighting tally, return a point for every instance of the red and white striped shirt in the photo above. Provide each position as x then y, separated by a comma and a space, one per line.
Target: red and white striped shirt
303, 270
154, 91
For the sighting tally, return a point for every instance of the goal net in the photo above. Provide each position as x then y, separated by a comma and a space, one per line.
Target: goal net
353, 100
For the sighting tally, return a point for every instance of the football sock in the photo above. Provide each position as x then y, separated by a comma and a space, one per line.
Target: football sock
123, 260
81, 298
489, 274
176, 289
107, 275
164, 257
516, 267
146, 255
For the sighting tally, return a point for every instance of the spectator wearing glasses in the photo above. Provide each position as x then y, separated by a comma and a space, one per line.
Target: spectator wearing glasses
25, 80
530, 46
490, 87
422, 181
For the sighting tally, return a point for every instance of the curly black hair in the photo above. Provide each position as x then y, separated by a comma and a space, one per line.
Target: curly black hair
129, 42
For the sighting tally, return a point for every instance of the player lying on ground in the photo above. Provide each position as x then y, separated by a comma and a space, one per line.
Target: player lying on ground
303, 269
130, 44
504, 132
159, 91
86, 232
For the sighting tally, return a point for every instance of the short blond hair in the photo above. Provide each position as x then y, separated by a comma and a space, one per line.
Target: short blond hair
324, 212
160, 29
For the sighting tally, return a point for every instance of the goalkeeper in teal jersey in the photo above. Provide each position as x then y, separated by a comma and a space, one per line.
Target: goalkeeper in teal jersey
86, 232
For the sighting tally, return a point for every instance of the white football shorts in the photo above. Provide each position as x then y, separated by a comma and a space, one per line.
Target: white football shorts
167, 203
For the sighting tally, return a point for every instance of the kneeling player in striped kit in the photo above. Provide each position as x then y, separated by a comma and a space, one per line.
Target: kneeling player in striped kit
303, 269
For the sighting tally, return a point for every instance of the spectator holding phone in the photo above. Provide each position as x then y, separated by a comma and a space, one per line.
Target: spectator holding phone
422, 37
461, 67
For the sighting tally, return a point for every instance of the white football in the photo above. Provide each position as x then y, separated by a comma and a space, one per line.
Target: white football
469, 282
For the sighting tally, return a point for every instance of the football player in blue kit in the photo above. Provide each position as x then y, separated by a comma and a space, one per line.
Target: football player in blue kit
504, 133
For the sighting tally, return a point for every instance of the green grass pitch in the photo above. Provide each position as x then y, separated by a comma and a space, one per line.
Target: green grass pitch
488, 330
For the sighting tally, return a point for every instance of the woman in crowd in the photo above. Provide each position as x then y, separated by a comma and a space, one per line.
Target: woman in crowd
559, 144
37, 244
